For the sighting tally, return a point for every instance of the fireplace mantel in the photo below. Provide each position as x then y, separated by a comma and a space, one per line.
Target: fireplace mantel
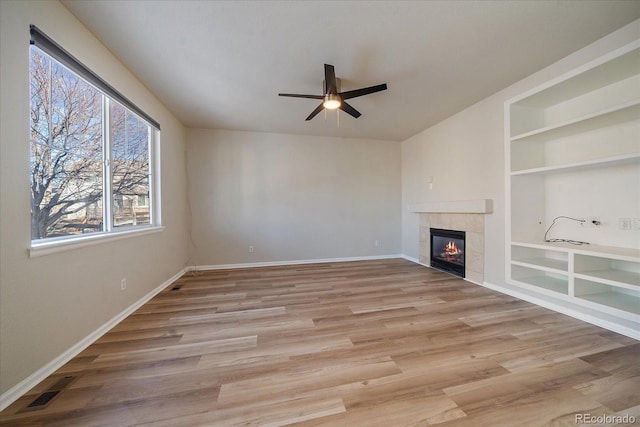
455, 206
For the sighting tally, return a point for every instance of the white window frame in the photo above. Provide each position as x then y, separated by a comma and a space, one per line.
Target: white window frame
47, 246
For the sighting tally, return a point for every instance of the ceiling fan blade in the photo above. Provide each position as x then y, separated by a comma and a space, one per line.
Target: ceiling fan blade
349, 110
330, 79
295, 95
315, 112
364, 91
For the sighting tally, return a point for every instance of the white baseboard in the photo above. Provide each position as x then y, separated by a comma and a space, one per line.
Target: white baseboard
15, 392
603, 323
284, 263
412, 259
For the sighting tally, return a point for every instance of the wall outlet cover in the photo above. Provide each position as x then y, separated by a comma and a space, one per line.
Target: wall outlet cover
624, 223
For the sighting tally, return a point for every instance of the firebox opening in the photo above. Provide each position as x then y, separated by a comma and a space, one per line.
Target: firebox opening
447, 251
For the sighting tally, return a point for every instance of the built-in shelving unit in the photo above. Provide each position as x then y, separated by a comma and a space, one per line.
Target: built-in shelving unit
570, 144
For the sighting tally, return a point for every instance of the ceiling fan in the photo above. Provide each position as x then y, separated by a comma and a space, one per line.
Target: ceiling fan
332, 98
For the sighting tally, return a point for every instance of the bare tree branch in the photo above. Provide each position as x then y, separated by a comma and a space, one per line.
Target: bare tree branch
67, 166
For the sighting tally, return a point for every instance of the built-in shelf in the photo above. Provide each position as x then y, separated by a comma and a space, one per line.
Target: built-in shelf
614, 161
596, 87
622, 279
622, 303
625, 301
613, 67
543, 264
608, 270
610, 252
572, 144
539, 258
545, 283
610, 116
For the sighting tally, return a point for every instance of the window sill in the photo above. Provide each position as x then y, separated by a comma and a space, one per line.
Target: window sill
39, 249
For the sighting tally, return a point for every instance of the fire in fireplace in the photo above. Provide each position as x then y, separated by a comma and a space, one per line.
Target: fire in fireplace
447, 250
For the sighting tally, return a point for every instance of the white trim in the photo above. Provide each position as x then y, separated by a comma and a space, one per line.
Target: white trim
155, 191
51, 247
107, 175
18, 390
454, 206
612, 326
284, 263
409, 258
471, 281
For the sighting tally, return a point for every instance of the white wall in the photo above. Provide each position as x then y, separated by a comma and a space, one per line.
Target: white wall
50, 303
291, 197
475, 138
617, 197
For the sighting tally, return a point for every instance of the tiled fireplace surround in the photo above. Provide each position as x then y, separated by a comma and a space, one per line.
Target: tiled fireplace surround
467, 216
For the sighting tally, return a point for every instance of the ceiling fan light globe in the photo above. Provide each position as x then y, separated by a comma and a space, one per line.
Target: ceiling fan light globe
331, 101
331, 104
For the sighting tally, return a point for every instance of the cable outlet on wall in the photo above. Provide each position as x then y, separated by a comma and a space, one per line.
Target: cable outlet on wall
123, 284
250, 248
624, 223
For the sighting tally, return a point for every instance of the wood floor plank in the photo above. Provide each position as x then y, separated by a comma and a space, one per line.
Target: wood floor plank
367, 343
287, 385
415, 411
616, 392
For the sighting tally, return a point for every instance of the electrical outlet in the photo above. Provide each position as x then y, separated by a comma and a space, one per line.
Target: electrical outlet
591, 221
624, 223
123, 284
376, 243
636, 223
250, 248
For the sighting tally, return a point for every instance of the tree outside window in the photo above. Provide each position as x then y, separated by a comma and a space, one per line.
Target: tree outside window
78, 163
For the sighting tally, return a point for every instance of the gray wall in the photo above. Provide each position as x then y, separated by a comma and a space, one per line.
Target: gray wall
291, 197
50, 303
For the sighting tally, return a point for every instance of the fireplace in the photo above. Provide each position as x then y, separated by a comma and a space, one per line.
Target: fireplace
447, 250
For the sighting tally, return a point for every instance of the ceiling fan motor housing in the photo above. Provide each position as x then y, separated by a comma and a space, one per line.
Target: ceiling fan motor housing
338, 85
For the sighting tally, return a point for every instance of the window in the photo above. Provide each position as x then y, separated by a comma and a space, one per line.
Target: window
91, 150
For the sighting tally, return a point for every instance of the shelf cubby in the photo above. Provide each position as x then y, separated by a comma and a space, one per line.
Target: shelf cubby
604, 162
612, 82
611, 116
547, 260
625, 301
544, 281
606, 138
615, 272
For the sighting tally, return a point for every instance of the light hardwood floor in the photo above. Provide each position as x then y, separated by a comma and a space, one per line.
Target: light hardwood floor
372, 343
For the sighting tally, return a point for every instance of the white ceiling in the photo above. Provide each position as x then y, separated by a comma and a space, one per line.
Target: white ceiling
221, 64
